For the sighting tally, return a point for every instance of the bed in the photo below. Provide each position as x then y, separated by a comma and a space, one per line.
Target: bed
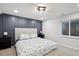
33, 46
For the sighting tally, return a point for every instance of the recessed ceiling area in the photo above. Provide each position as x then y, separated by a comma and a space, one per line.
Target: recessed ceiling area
29, 10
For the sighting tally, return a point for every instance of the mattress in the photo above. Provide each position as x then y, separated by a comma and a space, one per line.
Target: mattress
34, 47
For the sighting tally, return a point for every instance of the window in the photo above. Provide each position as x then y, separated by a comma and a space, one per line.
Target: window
65, 28
74, 28
70, 28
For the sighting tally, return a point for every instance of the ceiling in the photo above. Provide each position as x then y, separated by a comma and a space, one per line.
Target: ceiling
29, 10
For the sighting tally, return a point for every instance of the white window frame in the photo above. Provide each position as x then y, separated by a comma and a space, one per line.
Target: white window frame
69, 36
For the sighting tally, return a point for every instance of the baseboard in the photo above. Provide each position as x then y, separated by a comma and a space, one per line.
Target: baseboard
68, 46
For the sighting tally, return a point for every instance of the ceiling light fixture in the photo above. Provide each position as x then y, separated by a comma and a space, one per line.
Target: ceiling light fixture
41, 10
16, 11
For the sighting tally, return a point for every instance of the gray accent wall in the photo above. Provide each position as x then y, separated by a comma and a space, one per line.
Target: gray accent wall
10, 22
0, 24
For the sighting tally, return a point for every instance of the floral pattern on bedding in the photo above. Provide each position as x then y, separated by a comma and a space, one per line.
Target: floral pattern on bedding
34, 47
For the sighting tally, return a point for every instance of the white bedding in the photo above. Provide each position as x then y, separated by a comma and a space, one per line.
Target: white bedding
34, 47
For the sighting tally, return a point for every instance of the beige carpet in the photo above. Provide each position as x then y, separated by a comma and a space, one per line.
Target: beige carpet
60, 51
63, 51
8, 52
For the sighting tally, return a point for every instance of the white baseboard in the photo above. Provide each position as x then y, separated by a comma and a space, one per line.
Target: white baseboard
68, 46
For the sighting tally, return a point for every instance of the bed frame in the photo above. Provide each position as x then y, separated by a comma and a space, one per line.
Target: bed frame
19, 31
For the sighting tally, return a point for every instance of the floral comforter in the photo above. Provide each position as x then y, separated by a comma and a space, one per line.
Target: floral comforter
34, 47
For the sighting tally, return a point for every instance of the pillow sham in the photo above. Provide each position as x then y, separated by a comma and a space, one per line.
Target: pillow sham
24, 36
33, 35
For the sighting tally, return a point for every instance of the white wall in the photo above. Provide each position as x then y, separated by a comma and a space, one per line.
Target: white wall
51, 29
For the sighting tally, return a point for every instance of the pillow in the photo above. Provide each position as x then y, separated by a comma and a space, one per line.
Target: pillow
33, 35
24, 36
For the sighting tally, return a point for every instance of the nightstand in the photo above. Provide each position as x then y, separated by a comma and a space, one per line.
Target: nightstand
41, 35
5, 42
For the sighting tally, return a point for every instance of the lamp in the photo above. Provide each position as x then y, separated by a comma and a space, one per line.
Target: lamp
5, 33
40, 31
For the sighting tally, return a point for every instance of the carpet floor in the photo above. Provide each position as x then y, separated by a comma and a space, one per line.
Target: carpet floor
59, 51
